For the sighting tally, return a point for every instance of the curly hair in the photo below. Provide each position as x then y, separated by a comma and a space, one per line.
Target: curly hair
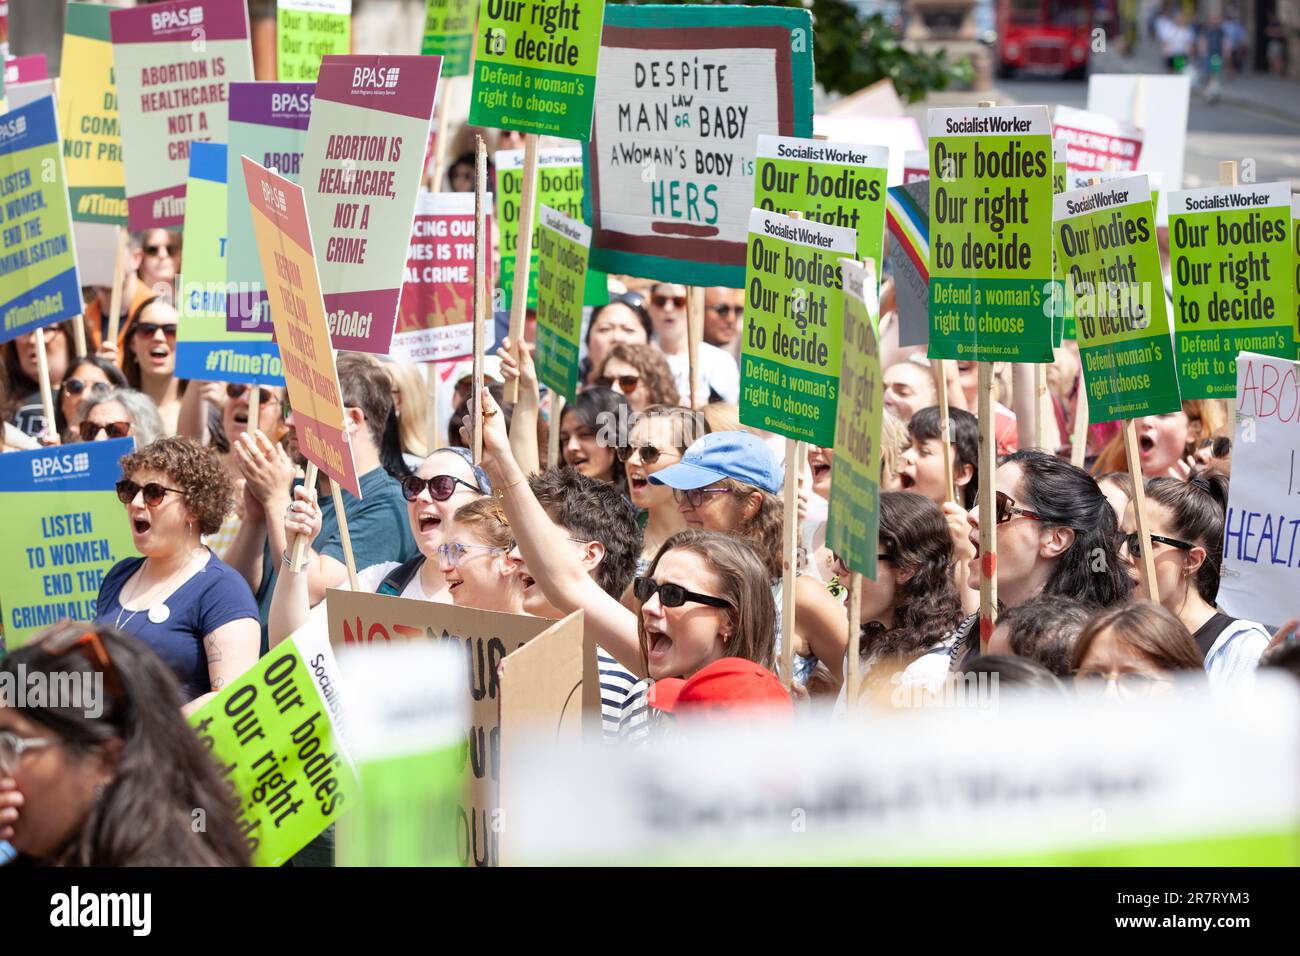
594, 511
196, 470
914, 533
656, 376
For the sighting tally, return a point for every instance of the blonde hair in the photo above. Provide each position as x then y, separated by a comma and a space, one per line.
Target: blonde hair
893, 442
721, 417
1206, 418
412, 418
485, 517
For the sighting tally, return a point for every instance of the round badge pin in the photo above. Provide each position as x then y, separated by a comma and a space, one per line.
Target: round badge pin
159, 613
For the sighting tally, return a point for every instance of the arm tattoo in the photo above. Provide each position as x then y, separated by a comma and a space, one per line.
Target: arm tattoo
214, 651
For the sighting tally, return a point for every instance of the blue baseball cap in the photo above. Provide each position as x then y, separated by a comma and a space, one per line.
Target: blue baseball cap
727, 454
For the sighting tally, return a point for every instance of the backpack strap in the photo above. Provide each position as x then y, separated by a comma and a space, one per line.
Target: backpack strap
396, 580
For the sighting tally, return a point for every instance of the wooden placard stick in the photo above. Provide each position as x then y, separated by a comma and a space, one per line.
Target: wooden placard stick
988, 466
433, 434
1140, 508
1079, 439
298, 549
1228, 172
79, 335
939, 368
855, 638
523, 256
481, 290
794, 455
337, 493
694, 335
43, 374
115, 299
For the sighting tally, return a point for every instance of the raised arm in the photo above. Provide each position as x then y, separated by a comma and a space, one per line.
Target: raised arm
523, 422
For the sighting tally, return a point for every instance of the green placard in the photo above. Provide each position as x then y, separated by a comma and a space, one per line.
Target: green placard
794, 315
535, 66
839, 184
990, 234
562, 248
1295, 271
853, 522
274, 736
449, 33
1105, 239
1230, 258
559, 185
1062, 324
307, 30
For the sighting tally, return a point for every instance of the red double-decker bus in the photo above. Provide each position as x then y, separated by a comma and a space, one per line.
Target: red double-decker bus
1046, 37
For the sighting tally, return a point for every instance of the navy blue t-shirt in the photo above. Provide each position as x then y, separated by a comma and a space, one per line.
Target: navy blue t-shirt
214, 596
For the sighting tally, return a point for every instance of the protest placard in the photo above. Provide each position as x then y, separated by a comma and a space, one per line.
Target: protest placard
1078, 179
361, 169
562, 246
38, 260
434, 318
1261, 559
1295, 254
484, 638
559, 185
1156, 104
277, 738
853, 522
837, 184
1059, 321
1172, 779
66, 529
174, 63
535, 66
268, 121
205, 349
907, 217
916, 165
901, 135
407, 717
26, 69
298, 311
1096, 140
990, 230
794, 312
684, 93
1105, 238
1230, 260
449, 33
97, 244
306, 31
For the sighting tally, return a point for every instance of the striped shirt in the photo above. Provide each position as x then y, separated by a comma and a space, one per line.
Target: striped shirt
624, 712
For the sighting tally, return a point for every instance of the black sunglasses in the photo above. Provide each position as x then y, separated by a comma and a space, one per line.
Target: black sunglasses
156, 250
649, 453
1007, 508
627, 383
1133, 541
661, 301
154, 493
725, 309
89, 431
149, 329
75, 386
673, 595
441, 487
236, 390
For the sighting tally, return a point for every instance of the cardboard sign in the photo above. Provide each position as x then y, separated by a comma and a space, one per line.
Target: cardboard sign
38, 260
174, 63
990, 234
87, 108
853, 521
66, 530
449, 33
485, 638
790, 356
298, 311
562, 247
306, 31
97, 245
407, 718
361, 170
268, 121
684, 93
838, 184
1106, 244
1158, 104
277, 738
535, 66
1230, 259
1097, 141
1260, 553
907, 217
1172, 779
436, 314
205, 350
559, 185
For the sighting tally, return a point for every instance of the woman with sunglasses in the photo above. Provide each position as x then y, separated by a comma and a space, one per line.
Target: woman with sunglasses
589, 435
623, 319
475, 559
149, 360
118, 413
1185, 520
1056, 534
1133, 650
161, 262
444, 482
717, 374
659, 436
196, 612
115, 784
22, 397
89, 376
638, 373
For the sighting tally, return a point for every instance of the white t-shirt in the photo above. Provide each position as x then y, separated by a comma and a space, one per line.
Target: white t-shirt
717, 371
1235, 653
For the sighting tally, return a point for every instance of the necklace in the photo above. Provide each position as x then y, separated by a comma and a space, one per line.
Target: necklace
159, 613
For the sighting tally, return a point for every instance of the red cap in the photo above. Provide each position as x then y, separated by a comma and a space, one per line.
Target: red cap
723, 687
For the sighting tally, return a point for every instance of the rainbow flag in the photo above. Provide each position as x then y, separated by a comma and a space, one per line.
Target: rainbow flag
909, 226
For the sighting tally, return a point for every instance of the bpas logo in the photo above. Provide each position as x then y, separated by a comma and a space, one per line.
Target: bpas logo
275, 197
14, 127
377, 77
60, 466
174, 19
